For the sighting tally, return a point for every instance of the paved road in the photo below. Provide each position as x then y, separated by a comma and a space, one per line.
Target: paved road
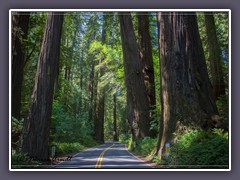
109, 155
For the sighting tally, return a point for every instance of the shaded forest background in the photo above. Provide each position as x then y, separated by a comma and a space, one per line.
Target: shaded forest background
144, 79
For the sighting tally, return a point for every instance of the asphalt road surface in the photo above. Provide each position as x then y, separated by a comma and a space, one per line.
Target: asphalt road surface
108, 156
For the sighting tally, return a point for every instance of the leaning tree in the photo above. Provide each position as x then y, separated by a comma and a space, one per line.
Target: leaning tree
36, 128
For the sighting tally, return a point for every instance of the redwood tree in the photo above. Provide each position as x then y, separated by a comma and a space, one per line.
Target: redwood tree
147, 59
214, 56
137, 102
37, 124
187, 96
100, 99
20, 23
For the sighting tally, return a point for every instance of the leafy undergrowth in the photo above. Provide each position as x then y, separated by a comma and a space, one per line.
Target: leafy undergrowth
193, 149
67, 148
126, 139
145, 147
200, 149
20, 160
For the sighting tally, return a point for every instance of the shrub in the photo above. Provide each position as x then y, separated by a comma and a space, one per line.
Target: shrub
67, 148
126, 139
20, 160
201, 148
146, 146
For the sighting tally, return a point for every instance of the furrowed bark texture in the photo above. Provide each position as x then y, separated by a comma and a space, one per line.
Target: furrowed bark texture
187, 96
37, 124
147, 60
137, 102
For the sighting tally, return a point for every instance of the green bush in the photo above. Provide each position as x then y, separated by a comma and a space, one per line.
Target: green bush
146, 146
200, 148
124, 138
67, 127
67, 148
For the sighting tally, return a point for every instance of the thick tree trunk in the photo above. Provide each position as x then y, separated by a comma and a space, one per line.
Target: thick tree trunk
187, 97
20, 24
37, 124
137, 102
214, 56
147, 60
115, 135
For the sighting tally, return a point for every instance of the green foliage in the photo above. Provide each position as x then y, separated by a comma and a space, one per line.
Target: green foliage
126, 139
222, 28
146, 146
222, 105
64, 148
16, 126
154, 123
20, 160
70, 128
200, 148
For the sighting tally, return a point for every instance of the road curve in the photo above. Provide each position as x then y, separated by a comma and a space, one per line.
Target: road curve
111, 155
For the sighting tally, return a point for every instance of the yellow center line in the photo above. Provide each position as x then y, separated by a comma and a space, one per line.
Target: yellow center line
100, 158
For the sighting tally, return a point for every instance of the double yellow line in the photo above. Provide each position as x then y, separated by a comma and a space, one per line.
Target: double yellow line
100, 158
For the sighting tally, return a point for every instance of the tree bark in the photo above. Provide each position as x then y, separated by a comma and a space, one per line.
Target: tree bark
187, 96
37, 124
100, 100
99, 114
91, 91
137, 102
214, 56
20, 23
147, 60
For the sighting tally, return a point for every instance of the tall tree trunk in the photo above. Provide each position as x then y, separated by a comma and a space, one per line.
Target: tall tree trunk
100, 100
147, 60
91, 91
37, 124
115, 135
187, 97
137, 102
214, 56
99, 114
81, 90
20, 23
